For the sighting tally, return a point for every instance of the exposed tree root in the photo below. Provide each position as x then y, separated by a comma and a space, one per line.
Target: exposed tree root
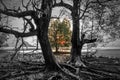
69, 67
77, 62
65, 71
68, 70
26, 68
94, 72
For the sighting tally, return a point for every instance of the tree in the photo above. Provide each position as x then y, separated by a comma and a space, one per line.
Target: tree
59, 33
78, 39
87, 12
33, 12
80, 9
107, 19
36, 15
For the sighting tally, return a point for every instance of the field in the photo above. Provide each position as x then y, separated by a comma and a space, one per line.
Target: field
109, 53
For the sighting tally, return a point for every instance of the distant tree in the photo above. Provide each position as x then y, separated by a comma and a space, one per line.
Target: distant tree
59, 34
108, 20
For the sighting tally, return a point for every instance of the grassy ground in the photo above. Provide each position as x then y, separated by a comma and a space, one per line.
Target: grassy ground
98, 65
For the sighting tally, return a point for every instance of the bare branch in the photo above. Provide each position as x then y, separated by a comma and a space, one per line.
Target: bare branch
26, 6
30, 23
16, 33
18, 14
89, 40
100, 2
23, 5
16, 49
1, 1
86, 7
62, 4
23, 44
92, 2
25, 26
34, 6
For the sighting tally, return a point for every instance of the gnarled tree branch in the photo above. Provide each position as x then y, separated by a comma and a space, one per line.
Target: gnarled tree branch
18, 14
89, 40
18, 34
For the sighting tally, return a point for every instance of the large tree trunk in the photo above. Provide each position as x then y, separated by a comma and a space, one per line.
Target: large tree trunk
46, 49
42, 28
77, 46
76, 43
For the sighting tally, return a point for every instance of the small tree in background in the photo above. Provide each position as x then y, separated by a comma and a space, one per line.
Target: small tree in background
59, 34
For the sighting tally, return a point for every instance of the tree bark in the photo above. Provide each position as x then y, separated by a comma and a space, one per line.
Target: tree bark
76, 43
42, 29
56, 48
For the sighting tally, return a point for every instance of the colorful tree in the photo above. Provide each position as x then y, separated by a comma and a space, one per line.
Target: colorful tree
59, 33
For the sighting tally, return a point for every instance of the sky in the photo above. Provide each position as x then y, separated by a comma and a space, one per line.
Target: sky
17, 23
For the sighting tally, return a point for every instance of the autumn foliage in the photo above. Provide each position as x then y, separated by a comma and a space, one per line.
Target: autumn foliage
59, 33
